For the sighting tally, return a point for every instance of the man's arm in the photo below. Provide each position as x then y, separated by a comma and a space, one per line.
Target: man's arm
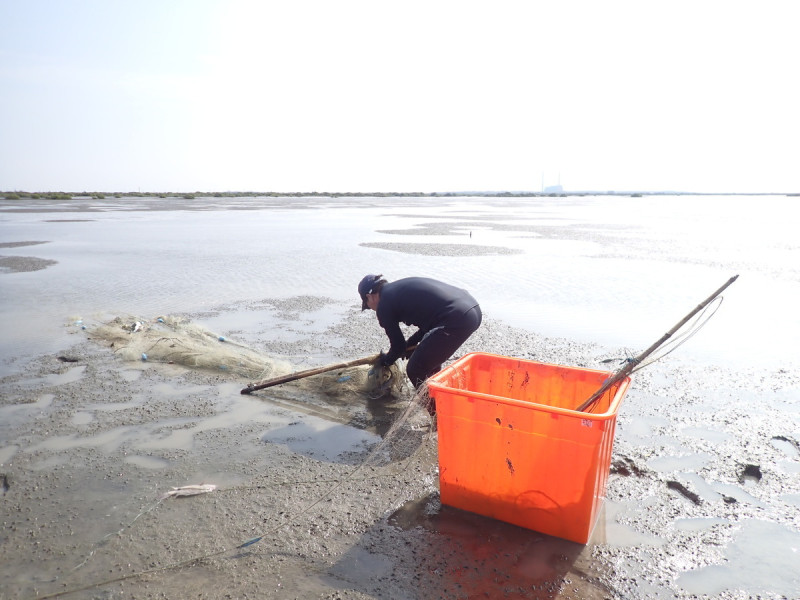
397, 343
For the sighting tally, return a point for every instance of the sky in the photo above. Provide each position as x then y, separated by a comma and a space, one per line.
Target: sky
412, 96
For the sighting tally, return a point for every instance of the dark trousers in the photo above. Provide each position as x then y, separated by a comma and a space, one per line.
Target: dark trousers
439, 344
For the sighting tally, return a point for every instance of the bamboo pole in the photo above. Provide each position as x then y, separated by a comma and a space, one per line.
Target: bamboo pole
308, 373
631, 364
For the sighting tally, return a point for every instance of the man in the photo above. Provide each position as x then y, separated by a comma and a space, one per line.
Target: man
445, 315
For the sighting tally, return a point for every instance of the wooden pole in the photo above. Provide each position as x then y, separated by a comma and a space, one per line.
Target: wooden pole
308, 373
631, 364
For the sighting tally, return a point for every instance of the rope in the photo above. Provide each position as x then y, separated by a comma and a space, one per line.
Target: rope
676, 342
625, 370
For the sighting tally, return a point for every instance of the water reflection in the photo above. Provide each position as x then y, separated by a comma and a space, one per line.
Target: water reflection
468, 556
763, 556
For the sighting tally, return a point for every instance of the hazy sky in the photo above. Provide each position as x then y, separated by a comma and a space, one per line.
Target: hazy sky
434, 95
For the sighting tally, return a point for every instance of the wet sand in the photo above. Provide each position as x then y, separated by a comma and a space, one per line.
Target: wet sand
81, 491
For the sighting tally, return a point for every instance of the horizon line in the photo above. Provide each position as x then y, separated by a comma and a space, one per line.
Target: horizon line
250, 193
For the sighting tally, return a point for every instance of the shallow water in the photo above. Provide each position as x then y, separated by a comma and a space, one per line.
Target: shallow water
618, 271
764, 556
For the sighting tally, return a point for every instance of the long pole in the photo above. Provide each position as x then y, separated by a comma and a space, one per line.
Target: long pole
630, 365
308, 373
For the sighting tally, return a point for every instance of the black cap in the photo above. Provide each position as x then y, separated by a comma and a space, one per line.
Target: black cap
365, 287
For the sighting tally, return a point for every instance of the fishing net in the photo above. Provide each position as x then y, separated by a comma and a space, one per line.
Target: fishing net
178, 341
378, 399
376, 382
367, 397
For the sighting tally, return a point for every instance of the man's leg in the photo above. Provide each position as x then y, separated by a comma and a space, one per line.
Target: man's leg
440, 344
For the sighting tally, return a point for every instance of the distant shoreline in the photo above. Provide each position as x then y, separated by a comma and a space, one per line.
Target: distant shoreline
21, 195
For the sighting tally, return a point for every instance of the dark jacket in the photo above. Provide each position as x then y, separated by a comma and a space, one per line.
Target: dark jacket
425, 303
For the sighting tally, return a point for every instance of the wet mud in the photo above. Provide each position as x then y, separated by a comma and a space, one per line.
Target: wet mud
22, 264
442, 249
324, 490
327, 495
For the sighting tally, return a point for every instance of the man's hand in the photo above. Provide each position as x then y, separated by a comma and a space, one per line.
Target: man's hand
383, 360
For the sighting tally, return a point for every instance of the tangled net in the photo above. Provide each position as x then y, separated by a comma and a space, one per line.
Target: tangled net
178, 341
175, 340
404, 447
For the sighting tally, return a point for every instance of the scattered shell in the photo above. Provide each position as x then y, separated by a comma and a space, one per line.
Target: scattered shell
191, 490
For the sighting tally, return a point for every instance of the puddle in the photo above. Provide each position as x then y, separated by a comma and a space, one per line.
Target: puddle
56, 379
289, 321
793, 499
706, 491
240, 411
172, 434
764, 558
43, 402
321, 439
737, 493
232, 390
710, 435
82, 418
177, 439
610, 532
14, 414
671, 464
169, 390
698, 524
644, 425
70, 376
619, 535
86, 416
361, 565
790, 466
108, 441
787, 446
7, 453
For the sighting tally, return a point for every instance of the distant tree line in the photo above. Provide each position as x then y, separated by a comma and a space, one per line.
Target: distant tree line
19, 195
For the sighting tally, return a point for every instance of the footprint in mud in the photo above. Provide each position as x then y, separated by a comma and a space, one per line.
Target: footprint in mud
787, 440
683, 491
626, 467
750, 473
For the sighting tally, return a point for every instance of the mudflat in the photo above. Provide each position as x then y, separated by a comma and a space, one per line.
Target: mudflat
324, 496
327, 490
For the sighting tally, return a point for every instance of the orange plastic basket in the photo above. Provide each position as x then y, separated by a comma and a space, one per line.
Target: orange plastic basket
512, 446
